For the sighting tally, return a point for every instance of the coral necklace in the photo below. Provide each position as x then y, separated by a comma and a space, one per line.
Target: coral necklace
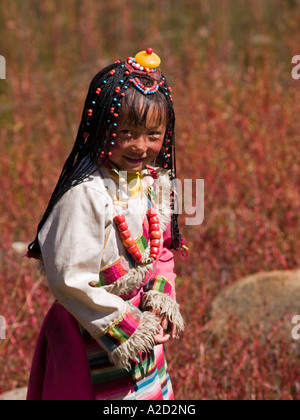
129, 242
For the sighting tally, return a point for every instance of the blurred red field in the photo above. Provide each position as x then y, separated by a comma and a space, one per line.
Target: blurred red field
238, 128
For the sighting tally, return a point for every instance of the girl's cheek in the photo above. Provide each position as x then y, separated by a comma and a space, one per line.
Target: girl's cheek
155, 149
119, 146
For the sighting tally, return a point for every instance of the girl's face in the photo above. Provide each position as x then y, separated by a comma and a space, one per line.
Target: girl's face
136, 145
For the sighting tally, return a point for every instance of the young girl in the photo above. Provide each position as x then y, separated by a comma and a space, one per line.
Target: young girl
105, 241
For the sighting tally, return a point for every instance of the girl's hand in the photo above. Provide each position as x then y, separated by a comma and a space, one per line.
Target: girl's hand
166, 329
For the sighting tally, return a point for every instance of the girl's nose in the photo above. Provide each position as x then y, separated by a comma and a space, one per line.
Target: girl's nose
140, 144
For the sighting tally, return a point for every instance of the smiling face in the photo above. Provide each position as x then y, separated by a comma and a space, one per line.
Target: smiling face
141, 132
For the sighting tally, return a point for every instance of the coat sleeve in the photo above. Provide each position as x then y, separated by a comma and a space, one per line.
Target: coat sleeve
72, 241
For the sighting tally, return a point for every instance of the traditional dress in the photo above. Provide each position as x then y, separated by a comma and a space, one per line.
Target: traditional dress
105, 300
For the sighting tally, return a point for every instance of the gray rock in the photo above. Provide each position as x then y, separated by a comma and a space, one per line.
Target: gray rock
15, 394
264, 301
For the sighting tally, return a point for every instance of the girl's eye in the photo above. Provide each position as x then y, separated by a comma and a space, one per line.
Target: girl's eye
125, 134
155, 134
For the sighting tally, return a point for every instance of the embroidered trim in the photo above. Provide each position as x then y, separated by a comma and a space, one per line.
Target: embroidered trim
158, 283
113, 324
142, 340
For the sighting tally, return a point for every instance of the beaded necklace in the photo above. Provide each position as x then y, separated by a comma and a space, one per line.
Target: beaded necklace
130, 243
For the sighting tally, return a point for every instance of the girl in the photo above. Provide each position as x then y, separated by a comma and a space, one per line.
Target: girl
104, 243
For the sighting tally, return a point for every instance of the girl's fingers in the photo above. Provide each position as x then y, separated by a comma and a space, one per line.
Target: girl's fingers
161, 337
165, 324
166, 330
174, 331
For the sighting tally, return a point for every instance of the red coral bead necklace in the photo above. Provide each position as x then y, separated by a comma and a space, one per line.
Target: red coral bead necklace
130, 243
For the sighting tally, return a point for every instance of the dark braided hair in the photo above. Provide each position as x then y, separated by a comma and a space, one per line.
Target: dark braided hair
95, 137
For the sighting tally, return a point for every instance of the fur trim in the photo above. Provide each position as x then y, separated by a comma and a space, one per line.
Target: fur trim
142, 340
130, 281
165, 305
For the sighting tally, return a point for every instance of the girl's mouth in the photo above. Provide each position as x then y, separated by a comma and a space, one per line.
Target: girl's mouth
134, 160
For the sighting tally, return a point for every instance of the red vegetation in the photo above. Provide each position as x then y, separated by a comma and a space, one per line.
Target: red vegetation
238, 128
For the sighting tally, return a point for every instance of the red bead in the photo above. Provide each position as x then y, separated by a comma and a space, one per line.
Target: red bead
90, 112
112, 110
116, 115
122, 226
98, 91
125, 234
137, 256
154, 227
154, 250
120, 218
114, 134
117, 89
155, 235
149, 51
151, 212
133, 249
109, 153
153, 220
112, 72
128, 242
155, 242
